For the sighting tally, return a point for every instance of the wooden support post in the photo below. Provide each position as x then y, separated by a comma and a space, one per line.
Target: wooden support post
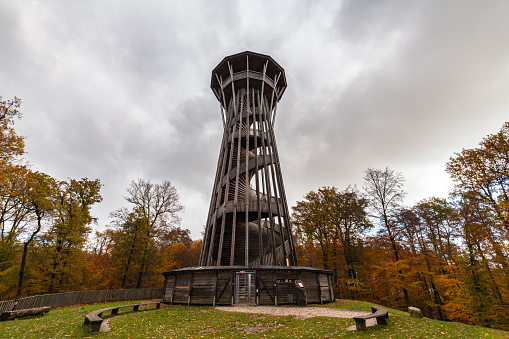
319, 287
215, 289
174, 287
190, 290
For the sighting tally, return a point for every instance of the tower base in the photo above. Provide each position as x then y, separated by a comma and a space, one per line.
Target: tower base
260, 285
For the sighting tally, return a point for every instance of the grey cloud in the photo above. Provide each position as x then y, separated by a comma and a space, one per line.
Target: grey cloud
119, 90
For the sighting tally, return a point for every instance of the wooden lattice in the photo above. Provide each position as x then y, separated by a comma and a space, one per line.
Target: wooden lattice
248, 222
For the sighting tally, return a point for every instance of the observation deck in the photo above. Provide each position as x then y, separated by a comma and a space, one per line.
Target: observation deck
247, 68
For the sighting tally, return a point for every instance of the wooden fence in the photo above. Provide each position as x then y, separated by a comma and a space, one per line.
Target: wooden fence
81, 297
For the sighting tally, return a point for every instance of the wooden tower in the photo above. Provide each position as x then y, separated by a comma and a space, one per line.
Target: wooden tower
248, 222
248, 254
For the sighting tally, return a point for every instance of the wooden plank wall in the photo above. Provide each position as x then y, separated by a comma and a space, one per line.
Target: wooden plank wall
224, 294
168, 288
202, 288
265, 284
181, 288
217, 287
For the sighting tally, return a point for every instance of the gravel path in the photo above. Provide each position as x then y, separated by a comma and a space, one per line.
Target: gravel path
299, 312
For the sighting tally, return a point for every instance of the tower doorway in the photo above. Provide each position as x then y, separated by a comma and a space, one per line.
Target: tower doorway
245, 287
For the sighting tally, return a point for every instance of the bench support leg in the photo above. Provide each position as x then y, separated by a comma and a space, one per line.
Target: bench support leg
381, 320
95, 327
360, 324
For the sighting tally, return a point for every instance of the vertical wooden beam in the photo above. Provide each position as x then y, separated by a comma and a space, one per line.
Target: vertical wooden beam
270, 139
319, 287
209, 240
237, 173
263, 132
285, 203
210, 226
248, 186
214, 293
276, 79
231, 110
274, 279
234, 282
331, 290
257, 182
173, 289
190, 290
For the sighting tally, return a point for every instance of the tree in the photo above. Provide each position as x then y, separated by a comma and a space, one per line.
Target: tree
334, 221
481, 197
384, 189
485, 171
99, 258
132, 245
182, 254
11, 145
313, 219
147, 227
39, 201
14, 219
60, 253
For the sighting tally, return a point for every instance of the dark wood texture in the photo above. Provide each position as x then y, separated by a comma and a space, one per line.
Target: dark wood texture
94, 319
248, 253
272, 285
8, 315
379, 313
81, 297
248, 222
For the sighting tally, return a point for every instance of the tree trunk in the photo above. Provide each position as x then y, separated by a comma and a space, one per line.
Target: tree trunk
24, 256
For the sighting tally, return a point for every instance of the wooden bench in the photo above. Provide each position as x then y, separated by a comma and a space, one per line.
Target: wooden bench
27, 312
94, 318
379, 313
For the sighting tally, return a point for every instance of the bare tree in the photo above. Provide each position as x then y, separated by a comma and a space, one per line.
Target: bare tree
384, 189
159, 203
156, 208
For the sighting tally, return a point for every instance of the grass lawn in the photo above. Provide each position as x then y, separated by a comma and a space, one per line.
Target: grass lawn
206, 322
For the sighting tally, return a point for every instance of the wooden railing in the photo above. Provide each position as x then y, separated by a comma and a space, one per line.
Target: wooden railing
248, 74
81, 297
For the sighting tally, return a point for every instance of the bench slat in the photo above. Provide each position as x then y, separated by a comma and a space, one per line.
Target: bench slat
94, 318
379, 313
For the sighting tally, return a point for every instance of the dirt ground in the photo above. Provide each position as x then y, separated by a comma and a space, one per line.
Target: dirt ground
299, 312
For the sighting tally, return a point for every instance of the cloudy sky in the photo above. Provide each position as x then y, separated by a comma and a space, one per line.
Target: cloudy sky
119, 90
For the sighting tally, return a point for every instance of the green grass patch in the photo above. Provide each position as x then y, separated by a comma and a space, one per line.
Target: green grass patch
206, 322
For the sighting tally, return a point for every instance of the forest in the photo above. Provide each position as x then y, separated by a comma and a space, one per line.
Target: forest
446, 256
47, 238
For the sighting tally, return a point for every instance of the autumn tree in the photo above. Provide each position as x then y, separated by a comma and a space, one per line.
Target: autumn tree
60, 252
13, 221
145, 229
99, 258
12, 146
313, 220
39, 201
384, 189
182, 254
484, 171
481, 194
334, 221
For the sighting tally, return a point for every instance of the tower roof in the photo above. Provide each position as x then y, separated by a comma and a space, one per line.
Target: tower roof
239, 62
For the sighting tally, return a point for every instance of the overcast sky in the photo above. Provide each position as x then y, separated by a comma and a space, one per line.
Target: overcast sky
119, 90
